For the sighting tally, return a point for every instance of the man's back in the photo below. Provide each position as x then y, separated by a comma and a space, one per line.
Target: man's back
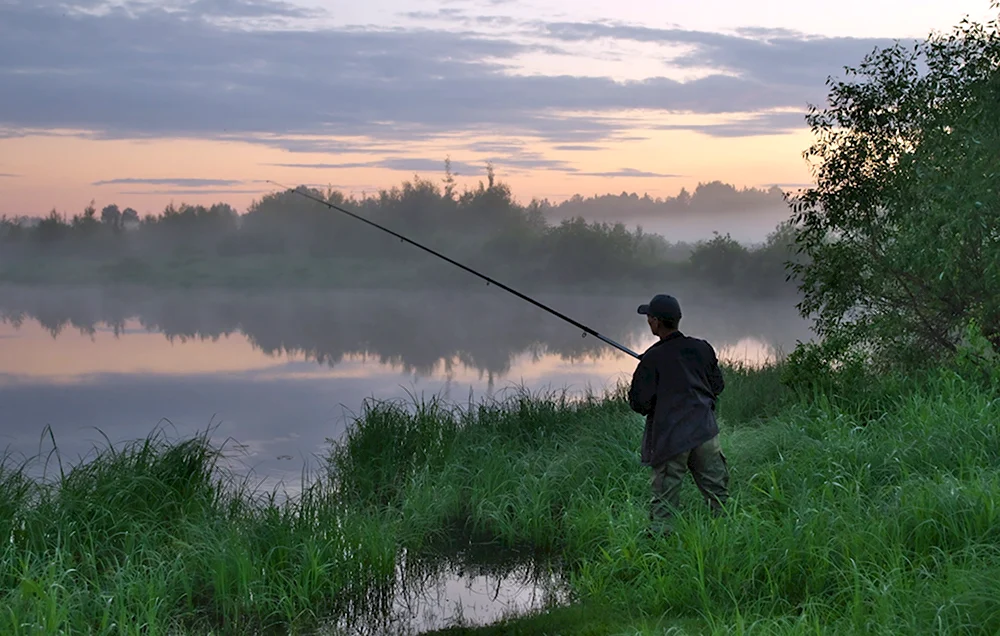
676, 385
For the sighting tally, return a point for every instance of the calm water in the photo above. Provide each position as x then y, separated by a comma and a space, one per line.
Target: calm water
278, 374
456, 594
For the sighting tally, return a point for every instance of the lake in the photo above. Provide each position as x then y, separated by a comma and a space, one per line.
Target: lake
277, 374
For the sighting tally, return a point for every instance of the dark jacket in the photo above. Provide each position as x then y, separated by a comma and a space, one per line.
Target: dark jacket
675, 386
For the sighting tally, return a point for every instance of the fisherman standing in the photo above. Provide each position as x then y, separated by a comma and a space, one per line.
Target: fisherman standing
675, 385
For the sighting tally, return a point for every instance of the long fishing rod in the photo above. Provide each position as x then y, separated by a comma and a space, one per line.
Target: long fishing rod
585, 328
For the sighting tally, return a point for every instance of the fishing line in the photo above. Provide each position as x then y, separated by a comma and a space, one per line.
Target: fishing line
489, 281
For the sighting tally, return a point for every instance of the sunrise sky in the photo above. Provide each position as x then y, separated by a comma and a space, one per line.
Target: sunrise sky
140, 103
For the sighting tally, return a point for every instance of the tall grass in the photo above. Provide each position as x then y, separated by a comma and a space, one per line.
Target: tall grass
151, 537
872, 516
877, 515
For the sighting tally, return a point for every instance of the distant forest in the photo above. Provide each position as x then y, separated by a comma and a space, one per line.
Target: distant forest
707, 198
286, 238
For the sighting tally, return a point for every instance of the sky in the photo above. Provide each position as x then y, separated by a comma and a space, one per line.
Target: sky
146, 102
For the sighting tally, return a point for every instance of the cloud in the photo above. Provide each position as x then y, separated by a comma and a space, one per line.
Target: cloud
189, 9
327, 166
779, 57
577, 147
496, 20
183, 182
789, 185
446, 13
536, 162
630, 172
507, 147
341, 186
247, 9
762, 124
147, 70
404, 164
8, 175
463, 16
7, 132
517, 161
195, 191
158, 74
314, 144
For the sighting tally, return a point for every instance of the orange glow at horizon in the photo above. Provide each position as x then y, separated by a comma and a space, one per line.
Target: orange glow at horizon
60, 171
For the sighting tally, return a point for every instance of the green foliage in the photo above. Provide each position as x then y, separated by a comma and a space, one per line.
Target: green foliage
900, 233
375, 462
10, 230
841, 522
976, 358
753, 394
154, 537
729, 265
51, 229
719, 260
707, 198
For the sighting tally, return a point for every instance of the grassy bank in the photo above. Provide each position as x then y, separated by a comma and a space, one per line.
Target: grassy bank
414, 271
251, 272
869, 511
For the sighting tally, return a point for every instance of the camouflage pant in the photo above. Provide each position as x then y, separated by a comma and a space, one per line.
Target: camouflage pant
708, 466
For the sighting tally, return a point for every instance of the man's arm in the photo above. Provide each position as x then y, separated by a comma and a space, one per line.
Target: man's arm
715, 379
642, 392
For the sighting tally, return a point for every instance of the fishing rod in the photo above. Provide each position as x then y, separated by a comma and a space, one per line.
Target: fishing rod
489, 281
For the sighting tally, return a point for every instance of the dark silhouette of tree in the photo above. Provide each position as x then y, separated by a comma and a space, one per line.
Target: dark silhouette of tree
112, 217
720, 261
130, 216
51, 229
86, 225
449, 179
901, 230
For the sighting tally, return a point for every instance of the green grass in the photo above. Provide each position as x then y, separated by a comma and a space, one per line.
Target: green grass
247, 272
869, 513
841, 521
148, 538
299, 271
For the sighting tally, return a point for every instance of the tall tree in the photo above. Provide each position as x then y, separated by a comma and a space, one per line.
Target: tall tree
900, 232
111, 216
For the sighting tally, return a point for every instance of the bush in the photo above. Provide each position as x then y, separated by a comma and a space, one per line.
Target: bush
900, 236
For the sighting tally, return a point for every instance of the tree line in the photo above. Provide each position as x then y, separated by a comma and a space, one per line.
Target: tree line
482, 226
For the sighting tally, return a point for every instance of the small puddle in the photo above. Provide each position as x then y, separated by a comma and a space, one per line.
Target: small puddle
460, 594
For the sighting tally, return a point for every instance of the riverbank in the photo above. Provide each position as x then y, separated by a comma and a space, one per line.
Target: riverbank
867, 508
415, 271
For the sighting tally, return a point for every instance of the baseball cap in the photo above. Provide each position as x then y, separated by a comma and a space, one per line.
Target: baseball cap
661, 306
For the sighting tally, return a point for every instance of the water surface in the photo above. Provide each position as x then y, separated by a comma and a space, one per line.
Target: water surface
462, 592
279, 374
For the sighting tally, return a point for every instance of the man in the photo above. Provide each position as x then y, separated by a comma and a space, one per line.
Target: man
675, 386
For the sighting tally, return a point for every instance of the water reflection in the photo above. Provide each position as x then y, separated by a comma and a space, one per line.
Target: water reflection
457, 591
281, 373
414, 331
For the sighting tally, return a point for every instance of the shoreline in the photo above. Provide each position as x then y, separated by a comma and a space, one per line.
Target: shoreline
554, 478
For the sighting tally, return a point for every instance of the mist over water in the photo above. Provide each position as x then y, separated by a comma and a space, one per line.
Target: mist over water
747, 216
748, 229
280, 373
